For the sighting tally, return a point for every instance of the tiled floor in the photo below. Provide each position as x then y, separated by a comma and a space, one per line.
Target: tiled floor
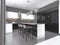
49, 35
16, 39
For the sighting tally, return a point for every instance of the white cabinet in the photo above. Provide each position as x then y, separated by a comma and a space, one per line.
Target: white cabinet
8, 28
40, 31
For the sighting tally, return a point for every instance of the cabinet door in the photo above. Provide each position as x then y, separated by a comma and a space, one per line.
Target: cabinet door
15, 26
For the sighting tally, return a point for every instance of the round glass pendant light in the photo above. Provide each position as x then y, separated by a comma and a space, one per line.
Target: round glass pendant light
35, 10
28, 13
31, 12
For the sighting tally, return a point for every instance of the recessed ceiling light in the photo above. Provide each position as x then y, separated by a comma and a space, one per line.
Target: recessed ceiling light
28, 1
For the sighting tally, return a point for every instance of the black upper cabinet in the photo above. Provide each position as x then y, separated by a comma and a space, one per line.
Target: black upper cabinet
49, 17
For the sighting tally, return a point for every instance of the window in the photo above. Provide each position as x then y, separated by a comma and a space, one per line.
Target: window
27, 17
13, 15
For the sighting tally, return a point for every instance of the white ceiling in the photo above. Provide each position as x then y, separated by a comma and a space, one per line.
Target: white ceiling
32, 4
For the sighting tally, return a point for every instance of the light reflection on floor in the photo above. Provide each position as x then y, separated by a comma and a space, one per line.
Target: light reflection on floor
52, 41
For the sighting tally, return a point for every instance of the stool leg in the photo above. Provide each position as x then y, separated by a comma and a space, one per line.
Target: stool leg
26, 37
20, 32
23, 34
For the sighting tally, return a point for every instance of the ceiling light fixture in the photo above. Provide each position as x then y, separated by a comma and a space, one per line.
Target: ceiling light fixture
28, 1
35, 10
28, 13
31, 12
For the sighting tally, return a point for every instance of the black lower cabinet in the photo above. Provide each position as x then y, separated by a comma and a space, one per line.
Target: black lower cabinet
52, 27
34, 31
15, 26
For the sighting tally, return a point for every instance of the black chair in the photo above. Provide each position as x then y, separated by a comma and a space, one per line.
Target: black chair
27, 33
